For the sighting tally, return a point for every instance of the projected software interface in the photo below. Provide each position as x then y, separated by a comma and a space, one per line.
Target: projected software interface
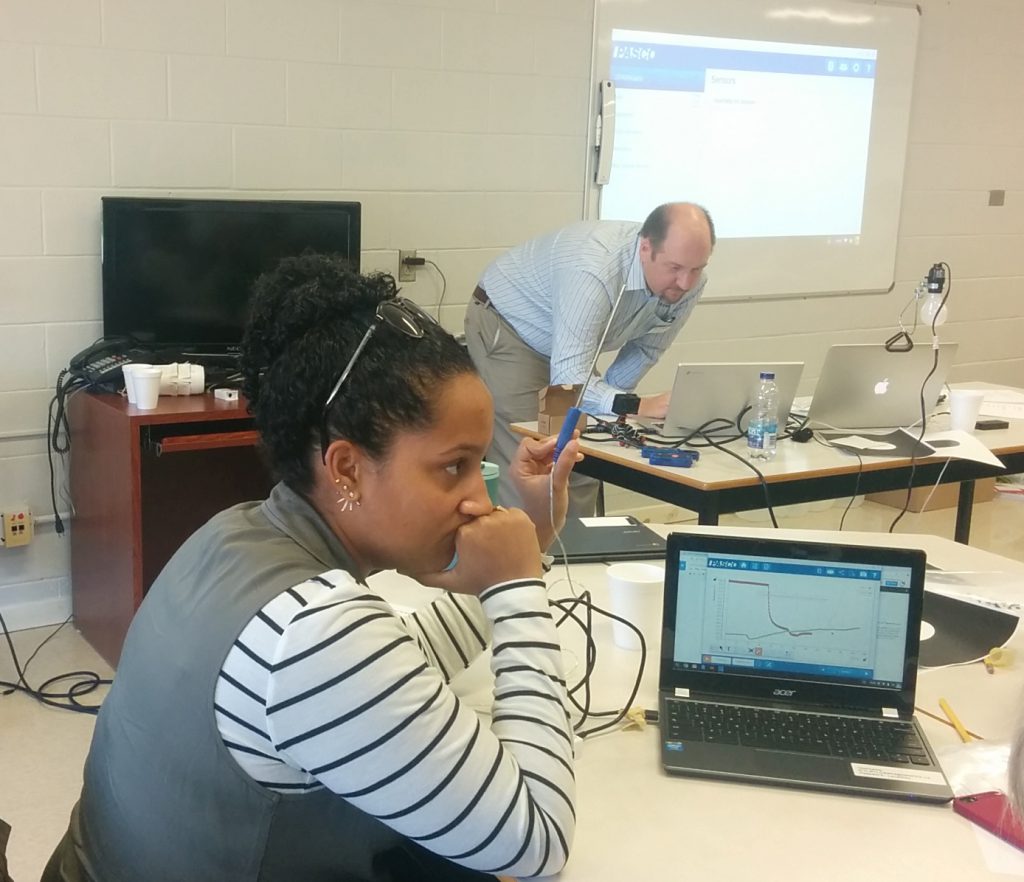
773, 137
778, 617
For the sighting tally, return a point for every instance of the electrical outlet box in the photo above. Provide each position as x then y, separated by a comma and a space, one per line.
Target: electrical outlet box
406, 273
17, 527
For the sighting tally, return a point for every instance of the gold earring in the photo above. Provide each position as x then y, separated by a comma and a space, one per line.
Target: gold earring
350, 502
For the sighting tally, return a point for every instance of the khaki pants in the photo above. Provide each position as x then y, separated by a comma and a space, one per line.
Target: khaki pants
64, 864
514, 374
5, 832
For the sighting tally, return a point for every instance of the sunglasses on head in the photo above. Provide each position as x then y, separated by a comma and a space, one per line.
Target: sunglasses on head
398, 314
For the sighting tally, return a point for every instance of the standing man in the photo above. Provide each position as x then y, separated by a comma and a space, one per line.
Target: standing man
538, 314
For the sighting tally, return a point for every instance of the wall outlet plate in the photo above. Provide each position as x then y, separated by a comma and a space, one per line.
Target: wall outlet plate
406, 273
17, 527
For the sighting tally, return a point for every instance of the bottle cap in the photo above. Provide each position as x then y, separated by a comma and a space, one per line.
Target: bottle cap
767, 375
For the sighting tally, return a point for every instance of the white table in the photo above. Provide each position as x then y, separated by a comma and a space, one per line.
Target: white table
719, 483
636, 822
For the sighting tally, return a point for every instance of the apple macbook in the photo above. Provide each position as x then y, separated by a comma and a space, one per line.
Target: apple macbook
865, 386
713, 396
795, 663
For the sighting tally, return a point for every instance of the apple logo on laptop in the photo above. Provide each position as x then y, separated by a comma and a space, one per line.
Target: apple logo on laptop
882, 386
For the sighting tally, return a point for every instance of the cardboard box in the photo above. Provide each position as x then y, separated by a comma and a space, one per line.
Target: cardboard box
553, 404
945, 496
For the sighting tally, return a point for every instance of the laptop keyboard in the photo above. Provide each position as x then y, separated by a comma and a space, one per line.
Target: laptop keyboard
855, 738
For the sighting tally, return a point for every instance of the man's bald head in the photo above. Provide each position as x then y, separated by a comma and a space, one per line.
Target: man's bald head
676, 242
687, 214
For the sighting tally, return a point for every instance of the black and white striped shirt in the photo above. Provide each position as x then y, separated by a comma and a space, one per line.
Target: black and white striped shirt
328, 687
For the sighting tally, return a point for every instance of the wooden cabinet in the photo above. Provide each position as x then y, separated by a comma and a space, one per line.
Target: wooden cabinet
142, 481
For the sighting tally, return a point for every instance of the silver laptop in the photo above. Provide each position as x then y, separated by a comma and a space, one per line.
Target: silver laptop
865, 386
712, 396
795, 663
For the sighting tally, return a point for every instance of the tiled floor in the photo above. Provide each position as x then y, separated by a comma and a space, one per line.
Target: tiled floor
42, 748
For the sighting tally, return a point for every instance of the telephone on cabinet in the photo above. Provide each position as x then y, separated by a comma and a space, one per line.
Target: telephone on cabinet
100, 363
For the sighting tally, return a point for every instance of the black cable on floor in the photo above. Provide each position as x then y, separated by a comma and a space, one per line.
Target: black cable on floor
67, 699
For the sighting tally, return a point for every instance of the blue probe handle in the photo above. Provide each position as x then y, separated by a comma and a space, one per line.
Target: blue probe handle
572, 417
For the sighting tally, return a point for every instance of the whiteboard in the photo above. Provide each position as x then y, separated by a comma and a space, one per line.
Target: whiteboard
788, 122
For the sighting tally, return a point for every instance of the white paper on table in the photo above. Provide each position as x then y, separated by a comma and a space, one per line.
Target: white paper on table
995, 590
1003, 403
610, 521
1002, 410
966, 446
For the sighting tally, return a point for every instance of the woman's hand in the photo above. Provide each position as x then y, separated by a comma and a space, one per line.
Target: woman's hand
497, 546
530, 468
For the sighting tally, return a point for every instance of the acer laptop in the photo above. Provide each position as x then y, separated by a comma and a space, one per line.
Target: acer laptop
712, 396
865, 386
593, 540
795, 663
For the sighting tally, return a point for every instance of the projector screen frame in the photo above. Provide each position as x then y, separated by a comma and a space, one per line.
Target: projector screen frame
786, 267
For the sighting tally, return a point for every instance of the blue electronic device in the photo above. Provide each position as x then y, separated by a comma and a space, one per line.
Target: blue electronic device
670, 456
572, 417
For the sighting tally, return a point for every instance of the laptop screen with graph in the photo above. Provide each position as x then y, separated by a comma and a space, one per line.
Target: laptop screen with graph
791, 662
771, 616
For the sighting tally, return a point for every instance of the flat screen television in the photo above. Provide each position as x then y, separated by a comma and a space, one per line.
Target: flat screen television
178, 273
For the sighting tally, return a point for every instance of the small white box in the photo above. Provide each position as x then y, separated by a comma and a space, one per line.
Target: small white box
226, 394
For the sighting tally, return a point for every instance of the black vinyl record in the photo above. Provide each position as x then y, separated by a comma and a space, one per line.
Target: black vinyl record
964, 631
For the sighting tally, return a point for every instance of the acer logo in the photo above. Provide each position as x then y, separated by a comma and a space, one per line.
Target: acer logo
784, 693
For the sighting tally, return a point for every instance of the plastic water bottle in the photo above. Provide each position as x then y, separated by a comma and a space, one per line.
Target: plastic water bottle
763, 428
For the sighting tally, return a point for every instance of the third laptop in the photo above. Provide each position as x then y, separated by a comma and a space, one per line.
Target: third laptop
866, 386
795, 663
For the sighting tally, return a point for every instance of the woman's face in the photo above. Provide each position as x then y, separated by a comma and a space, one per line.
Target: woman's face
410, 499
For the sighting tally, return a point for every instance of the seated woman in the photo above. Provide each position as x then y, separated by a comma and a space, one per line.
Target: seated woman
272, 717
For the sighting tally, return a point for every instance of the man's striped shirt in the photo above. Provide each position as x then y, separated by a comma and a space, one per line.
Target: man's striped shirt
558, 291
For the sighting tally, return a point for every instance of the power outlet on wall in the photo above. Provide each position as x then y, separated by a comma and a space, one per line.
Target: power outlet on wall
17, 527
406, 273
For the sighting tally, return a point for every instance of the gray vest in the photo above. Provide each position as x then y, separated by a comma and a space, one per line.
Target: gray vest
163, 801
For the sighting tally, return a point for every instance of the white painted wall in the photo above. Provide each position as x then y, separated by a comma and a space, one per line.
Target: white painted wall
460, 126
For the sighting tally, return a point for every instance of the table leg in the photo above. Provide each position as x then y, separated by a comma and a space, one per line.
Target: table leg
964, 510
708, 513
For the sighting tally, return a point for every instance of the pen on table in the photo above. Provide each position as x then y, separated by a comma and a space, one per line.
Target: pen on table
955, 720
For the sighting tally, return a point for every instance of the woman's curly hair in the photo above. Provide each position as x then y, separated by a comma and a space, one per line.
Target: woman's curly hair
306, 318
